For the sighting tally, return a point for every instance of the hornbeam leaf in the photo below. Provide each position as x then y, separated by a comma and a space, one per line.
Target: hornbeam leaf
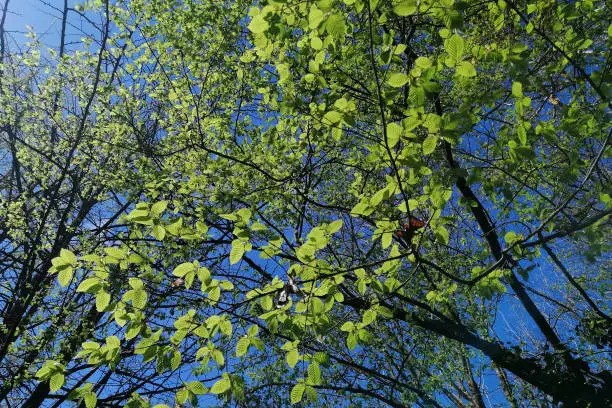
406, 8
398, 79
236, 252
466, 69
68, 256
90, 399
56, 381
292, 358
297, 392
423, 62
90, 285
441, 234
454, 47
159, 207
221, 386
182, 395
314, 373
335, 26
242, 347
196, 387
315, 17
258, 24
102, 300
394, 132
183, 269
65, 276
429, 144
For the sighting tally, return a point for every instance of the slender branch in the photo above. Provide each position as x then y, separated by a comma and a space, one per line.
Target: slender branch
569, 230
577, 67
573, 282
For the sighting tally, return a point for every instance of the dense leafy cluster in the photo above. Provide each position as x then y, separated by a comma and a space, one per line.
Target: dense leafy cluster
333, 202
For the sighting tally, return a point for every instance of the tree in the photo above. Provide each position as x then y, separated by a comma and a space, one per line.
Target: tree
62, 172
270, 161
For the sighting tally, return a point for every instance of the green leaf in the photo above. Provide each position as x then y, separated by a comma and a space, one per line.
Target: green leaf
311, 392
386, 239
90, 285
316, 43
237, 251
139, 299
292, 358
406, 8
429, 144
43, 372
203, 274
217, 355
314, 17
65, 276
347, 326
230, 217
334, 227
102, 300
175, 227
214, 294
113, 342
351, 341
297, 392
182, 396
90, 345
221, 386
522, 134
314, 373
226, 285
244, 214
90, 399
121, 317
466, 69
183, 269
175, 361
362, 208
382, 194
56, 381
511, 237
258, 24
368, 316
316, 305
335, 26
253, 330
196, 387
332, 117
136, 283
305, 253
441, 234
133, 330
517, 89
422, 62
68, 256
398, 79
242, 347
159, 232
159, 207
115, 252
394, 133
454, 47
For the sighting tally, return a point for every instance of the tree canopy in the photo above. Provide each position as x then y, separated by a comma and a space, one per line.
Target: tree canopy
320, 203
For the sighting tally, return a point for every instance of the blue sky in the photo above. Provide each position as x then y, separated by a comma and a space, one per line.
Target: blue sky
45, 21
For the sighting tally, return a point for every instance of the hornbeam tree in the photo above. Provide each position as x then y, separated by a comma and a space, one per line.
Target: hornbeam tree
333, 202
